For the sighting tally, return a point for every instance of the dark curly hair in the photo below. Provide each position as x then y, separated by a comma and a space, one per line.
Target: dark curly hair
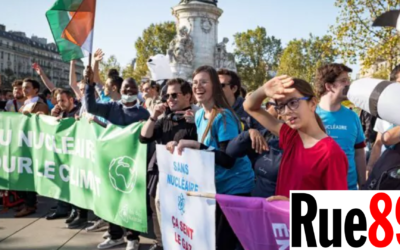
328, 74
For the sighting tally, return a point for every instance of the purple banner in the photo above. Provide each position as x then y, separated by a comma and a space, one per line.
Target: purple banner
258, 224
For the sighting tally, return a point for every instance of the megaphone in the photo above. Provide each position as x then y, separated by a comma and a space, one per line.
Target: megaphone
380, 98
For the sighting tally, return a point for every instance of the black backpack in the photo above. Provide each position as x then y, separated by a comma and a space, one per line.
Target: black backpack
386, 172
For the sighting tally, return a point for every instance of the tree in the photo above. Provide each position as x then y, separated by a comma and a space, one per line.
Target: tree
128, 71
111, 63
383, 72
256, 54
154, 40
357, 39
301, 58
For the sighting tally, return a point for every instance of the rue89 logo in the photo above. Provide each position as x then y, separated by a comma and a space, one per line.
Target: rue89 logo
345, 219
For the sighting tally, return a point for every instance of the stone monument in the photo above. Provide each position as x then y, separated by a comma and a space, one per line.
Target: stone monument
196, 42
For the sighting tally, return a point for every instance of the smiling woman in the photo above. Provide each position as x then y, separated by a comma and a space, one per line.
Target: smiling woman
217, 125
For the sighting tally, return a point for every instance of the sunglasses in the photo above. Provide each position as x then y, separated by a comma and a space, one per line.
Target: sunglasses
292, 104
173, 95
223, 85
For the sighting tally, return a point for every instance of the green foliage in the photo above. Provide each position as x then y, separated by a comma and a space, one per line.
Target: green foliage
301, 58
382, 73
154, 40
357, 39
256, 54
128, 71
111, 63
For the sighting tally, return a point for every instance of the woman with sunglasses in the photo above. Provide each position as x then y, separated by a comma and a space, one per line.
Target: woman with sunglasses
216, 125
311, 159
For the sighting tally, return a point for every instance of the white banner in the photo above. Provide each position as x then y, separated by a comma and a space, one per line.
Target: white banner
186, 222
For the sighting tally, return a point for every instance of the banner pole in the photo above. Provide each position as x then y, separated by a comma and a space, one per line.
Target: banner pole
203, 195
90, 65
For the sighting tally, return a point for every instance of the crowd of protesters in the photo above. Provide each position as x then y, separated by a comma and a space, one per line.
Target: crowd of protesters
286, 135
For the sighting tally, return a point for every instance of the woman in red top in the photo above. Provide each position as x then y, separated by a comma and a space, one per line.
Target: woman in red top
311, 159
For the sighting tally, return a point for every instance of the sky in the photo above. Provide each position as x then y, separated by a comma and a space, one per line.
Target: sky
120, 22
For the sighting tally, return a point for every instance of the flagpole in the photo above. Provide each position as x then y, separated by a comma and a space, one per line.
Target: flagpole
203, 195
90, 66
94, 19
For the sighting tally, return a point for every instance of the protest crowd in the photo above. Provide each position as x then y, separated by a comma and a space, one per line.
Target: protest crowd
300, 139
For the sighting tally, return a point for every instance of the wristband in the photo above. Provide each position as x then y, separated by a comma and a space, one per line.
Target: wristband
153, 120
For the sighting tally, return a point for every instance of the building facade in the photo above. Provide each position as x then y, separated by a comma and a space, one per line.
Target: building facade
18, 53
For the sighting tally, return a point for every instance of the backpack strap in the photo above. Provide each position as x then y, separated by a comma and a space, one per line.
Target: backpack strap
15, 105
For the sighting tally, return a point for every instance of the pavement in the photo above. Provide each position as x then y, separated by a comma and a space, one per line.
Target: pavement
34, 232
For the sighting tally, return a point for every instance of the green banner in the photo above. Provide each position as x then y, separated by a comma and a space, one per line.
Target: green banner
100, 169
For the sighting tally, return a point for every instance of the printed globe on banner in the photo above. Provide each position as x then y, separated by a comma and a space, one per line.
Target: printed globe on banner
123, 174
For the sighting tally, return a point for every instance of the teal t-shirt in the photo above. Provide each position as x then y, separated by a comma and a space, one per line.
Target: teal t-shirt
345, 128
240, 178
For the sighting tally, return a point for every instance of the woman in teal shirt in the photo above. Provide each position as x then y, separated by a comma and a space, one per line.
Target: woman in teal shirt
216, 126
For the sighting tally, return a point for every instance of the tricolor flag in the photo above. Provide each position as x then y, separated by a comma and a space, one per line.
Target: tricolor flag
72, 25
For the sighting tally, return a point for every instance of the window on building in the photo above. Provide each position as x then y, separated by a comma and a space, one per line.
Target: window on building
2, 67
9, 56
2, 55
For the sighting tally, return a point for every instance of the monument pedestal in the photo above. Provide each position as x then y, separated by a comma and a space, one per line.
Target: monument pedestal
183, 71
196, 43
201, 21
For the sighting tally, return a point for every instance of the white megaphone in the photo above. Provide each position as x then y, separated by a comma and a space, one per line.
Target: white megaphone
378, 97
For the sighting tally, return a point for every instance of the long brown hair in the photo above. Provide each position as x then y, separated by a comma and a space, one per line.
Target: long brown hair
304, 88
220, 101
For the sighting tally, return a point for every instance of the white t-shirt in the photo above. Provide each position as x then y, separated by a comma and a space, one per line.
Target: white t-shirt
10, 107
382, 126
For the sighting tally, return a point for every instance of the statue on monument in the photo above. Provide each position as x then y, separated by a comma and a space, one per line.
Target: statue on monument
203, 1
223, 59
181, 48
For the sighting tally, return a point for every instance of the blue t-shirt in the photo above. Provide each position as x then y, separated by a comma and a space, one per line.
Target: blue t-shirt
345, 128
51, 106
103, 99
240, 178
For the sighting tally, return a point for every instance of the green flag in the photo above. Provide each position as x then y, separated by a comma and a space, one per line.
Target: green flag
99, 169
72, 23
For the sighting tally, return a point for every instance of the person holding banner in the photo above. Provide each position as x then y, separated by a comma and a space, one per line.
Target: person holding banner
217, 124
172, 127
33, 105
265, 163
311, 159
65, 108
15, 104
122, 113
